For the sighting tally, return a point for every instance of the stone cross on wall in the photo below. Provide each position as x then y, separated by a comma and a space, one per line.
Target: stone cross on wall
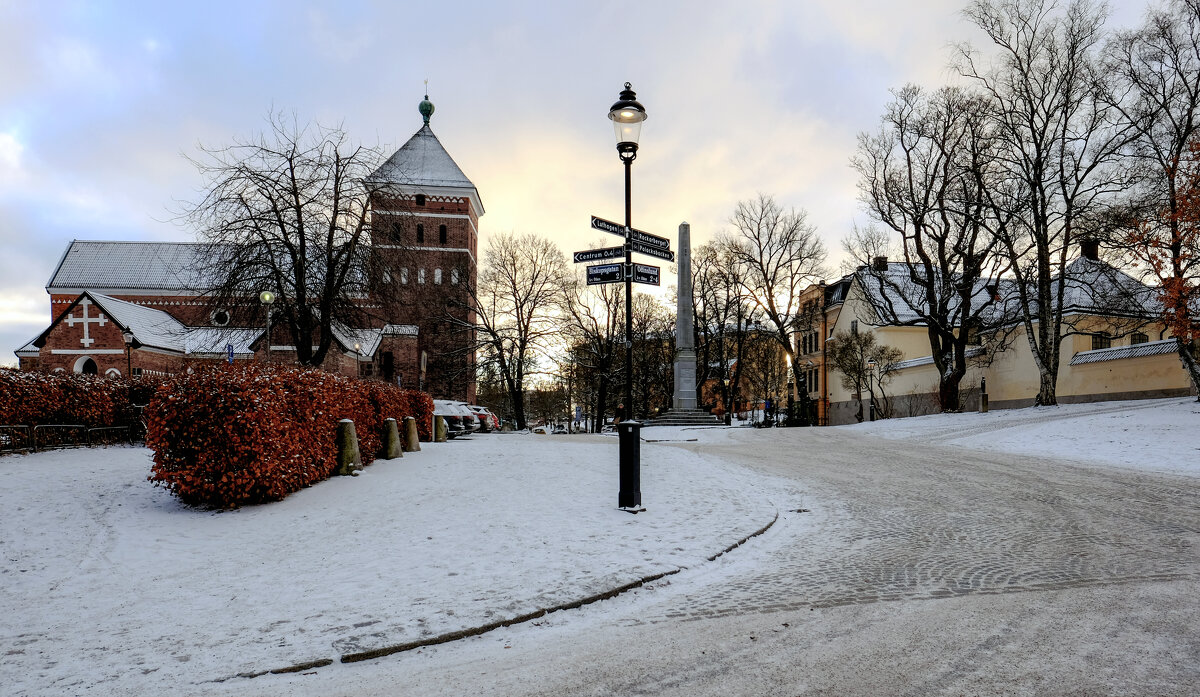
98, 320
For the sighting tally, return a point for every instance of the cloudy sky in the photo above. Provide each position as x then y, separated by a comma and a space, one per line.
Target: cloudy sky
100, 101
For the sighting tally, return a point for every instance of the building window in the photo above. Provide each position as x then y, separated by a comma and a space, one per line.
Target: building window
854, 327
420, 232
137, 372
1137, 338
404, 276
441, 234
454, 276
396, 234
219, 318
112, 373
437, 276
387, 276
1101, 340
973, 338
86, 366
421, 276
420, 199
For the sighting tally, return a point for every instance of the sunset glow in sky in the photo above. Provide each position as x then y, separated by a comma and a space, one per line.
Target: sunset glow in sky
99, 102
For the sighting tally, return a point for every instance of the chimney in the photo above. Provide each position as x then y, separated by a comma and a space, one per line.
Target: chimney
879, 264
1090, 249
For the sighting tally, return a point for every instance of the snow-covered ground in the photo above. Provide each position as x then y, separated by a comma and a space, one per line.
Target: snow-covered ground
1158, 435
110, 585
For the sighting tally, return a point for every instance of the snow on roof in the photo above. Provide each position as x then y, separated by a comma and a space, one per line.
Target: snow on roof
150, 327
28, 350
367, 339
893, 289
201, 341
1148, 348
422, 162
1095, 287
131, 265
928, 360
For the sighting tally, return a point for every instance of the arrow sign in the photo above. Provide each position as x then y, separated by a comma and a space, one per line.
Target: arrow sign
652, 251
604, 273
644, 273
637, 235
598, 254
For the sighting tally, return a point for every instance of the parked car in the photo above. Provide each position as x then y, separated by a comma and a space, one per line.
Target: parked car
487, 420
459, 418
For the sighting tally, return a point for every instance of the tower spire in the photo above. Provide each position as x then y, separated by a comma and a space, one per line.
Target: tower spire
426, 106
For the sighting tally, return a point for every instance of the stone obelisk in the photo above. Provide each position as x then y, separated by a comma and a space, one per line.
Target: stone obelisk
685, 340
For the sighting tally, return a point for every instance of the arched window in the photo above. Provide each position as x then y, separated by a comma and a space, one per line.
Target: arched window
112, 373
421, 276
420, 232
437, 276
387, 276
404, 276
441, 234
454, 276
86, 366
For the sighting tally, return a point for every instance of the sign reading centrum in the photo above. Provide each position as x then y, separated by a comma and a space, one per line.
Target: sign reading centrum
604, 273
637, 235
598, 254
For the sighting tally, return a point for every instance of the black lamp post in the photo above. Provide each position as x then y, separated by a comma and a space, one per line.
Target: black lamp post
627, 116
267, 298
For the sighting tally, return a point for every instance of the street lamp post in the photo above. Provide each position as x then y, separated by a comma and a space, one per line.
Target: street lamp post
627, 115
871, 384
266, 298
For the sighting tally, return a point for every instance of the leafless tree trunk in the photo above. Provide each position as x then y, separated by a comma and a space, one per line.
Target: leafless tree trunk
516, 309
1158, 95
1057, 139
287, 212
926, 176
780, 254
595, 320
723, 315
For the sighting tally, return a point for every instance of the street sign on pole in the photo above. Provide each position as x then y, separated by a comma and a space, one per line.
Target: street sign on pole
644, 273
598, 254
229, 353
664, 254
604, 273
637, 235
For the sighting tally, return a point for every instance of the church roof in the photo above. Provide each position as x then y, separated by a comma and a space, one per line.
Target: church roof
423, 163
93, 264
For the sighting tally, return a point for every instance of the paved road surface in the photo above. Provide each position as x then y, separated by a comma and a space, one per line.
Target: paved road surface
919, 569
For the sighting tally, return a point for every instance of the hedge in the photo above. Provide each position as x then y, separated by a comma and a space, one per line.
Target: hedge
230, 436
32, 399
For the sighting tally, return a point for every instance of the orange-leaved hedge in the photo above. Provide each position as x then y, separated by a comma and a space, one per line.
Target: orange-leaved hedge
32, 398
230, 436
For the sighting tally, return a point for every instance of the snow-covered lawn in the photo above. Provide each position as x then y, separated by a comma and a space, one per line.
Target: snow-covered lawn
1159, 435
110, 585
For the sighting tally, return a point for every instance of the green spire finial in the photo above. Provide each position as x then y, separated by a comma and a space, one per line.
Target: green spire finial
426, 106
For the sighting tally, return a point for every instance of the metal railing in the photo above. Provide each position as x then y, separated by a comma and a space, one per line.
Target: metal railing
23, 438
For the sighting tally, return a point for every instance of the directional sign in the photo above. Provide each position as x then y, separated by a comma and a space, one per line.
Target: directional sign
604, 273
637, 235
598, 254
644, 273
653, 251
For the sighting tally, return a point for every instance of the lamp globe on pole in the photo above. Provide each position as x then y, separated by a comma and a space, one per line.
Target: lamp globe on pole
267, 298
627, 115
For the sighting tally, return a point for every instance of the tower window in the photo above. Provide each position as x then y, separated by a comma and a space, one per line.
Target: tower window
404, 276
421, 276
437, 276
420, 199
441, 234
454, 276
387, 277
420, 232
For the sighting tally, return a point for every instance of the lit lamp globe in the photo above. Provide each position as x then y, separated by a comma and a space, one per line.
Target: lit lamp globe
627, 115
266, 297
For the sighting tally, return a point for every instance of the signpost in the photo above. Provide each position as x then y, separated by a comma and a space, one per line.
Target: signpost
649, 251
604, 273
644, 273
598, 254
638, 236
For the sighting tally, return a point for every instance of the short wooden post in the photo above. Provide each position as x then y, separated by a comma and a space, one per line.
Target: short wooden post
439, 428
349, 459
412, 443
391, 440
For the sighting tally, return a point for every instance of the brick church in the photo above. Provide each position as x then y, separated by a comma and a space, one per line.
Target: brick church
140, 307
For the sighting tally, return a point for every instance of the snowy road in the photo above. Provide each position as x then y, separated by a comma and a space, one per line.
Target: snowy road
921, 569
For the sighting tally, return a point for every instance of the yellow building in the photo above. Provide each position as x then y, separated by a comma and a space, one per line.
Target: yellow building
1106, 356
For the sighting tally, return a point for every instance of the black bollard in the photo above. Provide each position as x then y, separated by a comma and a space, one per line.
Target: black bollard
630, 436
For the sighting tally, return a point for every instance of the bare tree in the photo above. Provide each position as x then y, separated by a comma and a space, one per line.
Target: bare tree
1057, 138
287, 211
654, 354
927, 176
515, 306
1158, 95
722, 316
780, 255
595, 321
865, 365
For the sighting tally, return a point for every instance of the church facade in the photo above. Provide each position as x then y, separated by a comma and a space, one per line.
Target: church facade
140, 308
